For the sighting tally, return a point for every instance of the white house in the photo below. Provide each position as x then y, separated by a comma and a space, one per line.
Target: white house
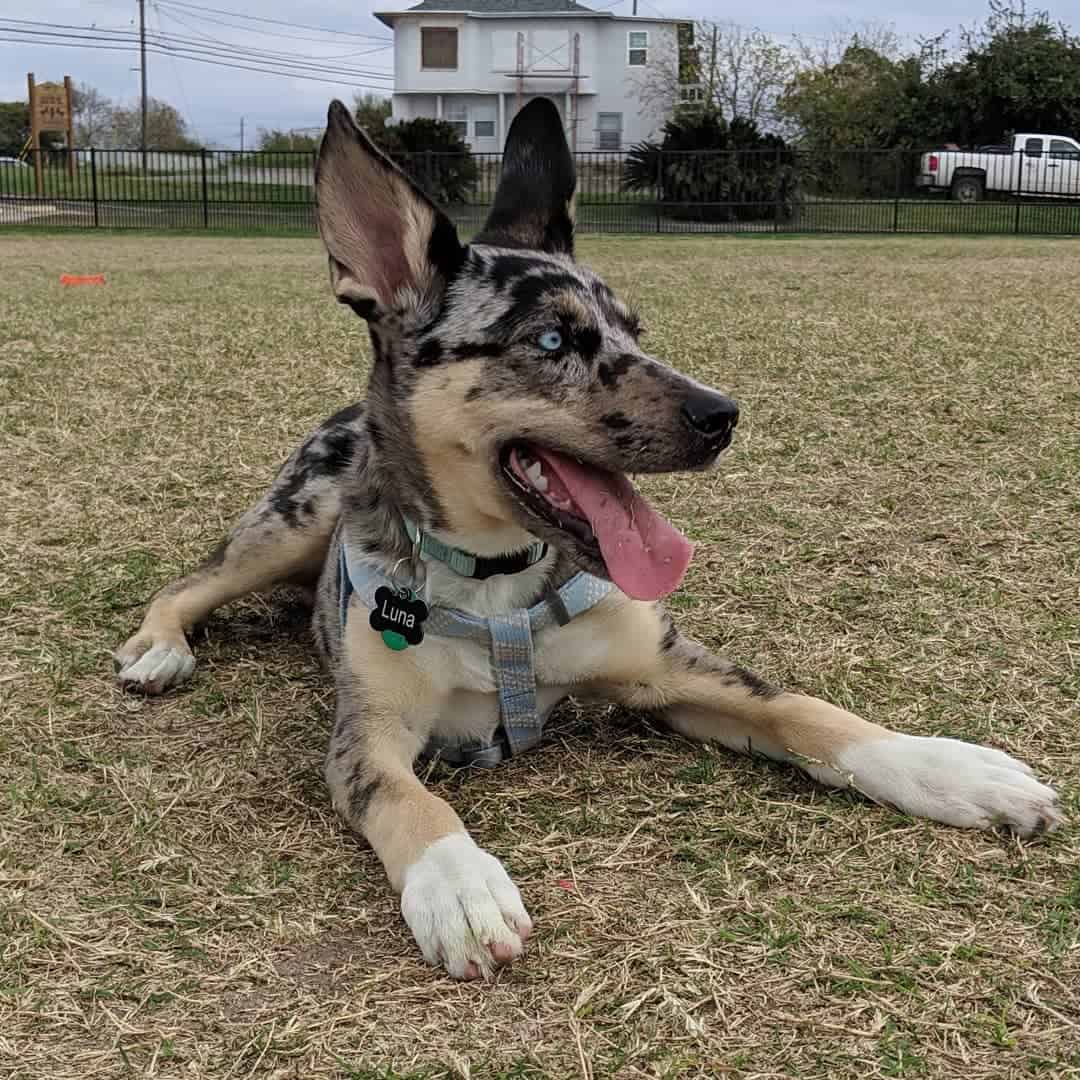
474, 63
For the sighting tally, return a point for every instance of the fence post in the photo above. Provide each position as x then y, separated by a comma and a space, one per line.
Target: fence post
778, 208
896, 192
1019, 189
659, 185
93, 184
205, 192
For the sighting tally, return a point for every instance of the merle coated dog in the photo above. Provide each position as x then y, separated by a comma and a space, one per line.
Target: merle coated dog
479, 552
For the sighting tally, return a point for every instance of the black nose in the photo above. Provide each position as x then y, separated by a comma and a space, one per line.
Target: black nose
711, 414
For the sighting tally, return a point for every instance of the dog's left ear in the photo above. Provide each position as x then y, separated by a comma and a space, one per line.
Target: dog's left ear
384, 236
534, 203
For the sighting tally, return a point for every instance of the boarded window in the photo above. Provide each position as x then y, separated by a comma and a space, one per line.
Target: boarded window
438, 47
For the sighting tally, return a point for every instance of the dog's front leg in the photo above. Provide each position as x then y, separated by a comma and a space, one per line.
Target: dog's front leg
706, 697
460, 904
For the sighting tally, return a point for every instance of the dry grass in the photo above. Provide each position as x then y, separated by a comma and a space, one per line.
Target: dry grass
897, 528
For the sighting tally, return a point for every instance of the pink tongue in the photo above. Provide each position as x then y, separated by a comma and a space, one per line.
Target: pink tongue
645, 554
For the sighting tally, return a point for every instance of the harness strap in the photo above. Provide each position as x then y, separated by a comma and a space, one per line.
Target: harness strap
510, 637
515, 676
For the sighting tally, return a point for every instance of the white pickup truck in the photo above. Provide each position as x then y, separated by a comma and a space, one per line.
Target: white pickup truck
1043, 165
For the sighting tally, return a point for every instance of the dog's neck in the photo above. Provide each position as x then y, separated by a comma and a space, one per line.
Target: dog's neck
374, 516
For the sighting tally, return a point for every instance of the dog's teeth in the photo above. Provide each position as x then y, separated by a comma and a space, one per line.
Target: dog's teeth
534, 469
540, 482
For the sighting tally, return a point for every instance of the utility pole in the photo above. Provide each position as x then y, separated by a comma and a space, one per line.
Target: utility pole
635, 8
241, 134
142, 78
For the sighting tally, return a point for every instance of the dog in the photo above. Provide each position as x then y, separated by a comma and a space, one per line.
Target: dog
478, 553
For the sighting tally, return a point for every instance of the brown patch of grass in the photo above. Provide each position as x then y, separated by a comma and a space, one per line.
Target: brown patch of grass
896, 528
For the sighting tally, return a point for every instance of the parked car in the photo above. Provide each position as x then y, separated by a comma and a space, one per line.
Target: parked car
1046, 165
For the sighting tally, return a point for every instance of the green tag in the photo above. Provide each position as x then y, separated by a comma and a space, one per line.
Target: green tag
393, 640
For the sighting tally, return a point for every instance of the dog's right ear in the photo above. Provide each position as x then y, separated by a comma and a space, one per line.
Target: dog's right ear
388, 243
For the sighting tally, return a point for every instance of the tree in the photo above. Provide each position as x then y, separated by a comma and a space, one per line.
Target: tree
15, 129
863, 101
92, 116
434, 155
371, 112
1018, 72
739, 72
288, 141
166, 129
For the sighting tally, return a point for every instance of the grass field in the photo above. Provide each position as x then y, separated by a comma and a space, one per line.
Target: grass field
897, 527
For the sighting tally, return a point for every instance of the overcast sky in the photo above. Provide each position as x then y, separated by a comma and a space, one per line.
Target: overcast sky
213, 99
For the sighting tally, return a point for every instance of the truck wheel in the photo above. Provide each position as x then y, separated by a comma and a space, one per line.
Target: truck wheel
967, 189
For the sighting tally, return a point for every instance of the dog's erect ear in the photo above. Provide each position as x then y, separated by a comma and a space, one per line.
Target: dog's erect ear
383, 234
534, 205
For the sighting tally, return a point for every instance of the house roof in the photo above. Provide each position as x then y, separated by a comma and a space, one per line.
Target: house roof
505, 7
488, 9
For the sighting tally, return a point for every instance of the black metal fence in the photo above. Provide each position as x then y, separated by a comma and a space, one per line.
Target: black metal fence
836, 191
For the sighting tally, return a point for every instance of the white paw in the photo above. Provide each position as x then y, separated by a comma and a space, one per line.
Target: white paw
956, 782
152, 669
463, 909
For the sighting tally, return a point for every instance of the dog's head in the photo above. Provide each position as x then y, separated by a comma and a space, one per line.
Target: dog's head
510, 395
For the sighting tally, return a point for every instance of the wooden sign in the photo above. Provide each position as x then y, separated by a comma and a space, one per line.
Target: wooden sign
50, 110
51, 106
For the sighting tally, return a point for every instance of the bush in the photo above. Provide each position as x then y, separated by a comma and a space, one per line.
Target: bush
434, 155
706, 169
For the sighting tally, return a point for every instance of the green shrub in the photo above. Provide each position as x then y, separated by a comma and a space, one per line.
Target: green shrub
706, 169
435, 156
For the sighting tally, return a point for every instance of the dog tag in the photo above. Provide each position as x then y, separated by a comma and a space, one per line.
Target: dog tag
398, 616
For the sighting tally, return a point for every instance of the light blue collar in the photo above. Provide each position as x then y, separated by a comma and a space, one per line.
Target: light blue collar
465, 563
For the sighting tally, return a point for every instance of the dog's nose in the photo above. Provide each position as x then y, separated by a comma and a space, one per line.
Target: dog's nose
710, 414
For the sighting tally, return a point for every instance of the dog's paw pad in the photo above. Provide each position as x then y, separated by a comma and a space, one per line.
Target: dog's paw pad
155, 670
463, 909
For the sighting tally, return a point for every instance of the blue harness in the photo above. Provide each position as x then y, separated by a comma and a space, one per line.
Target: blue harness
510, 636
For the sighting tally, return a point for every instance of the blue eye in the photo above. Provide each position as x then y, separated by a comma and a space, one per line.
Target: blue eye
550, 341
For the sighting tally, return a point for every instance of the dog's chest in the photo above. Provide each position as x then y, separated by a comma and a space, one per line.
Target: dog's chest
563, 658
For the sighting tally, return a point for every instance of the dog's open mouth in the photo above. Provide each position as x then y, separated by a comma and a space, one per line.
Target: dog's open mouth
645, 555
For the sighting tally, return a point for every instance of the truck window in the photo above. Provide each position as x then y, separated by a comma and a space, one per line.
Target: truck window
1063, 151
1033, 147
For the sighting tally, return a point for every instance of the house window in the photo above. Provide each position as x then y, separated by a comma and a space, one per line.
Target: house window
484, 129
608, 130
457, 116
691, 94
637, 48
438, 48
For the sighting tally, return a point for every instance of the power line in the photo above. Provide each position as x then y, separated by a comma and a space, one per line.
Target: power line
276, 22
176, 75
272, 33
189, 48
101, 45
270, 53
